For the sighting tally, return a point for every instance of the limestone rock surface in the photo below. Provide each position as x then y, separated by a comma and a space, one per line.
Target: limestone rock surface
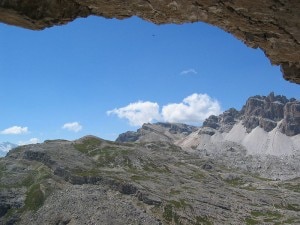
273, 26
93, 181
157, 132
291, 122
266, 112
265, 127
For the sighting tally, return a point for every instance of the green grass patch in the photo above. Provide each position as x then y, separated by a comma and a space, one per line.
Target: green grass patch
235, 182
267, 216
291, 221
34, 198
152, 167
292, 187
257, 176
88, 145
179, 204
106, 155
87, 173
257, 213
203, 220
139, 178
170, 216
292, 207
2, 170
198, 175
175, 192
110, 156
28, 181
168, 213
250, 221
43, 173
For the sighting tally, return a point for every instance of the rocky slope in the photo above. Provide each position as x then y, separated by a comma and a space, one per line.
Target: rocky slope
272, 26
261, 111
5, 147
93, 181
158, 132
164, 173
265, 125
263, 136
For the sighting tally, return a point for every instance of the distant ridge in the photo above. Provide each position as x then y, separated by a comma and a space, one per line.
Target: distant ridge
157, 132
5, 147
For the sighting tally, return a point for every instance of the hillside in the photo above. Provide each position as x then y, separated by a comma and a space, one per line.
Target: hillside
135, 183
241, 167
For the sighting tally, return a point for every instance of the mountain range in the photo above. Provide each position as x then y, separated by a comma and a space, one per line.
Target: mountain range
266, 125
241, 167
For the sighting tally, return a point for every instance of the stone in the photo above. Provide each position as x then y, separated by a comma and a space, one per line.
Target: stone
148, 199
266, 112
207, 166
267, 124
129, 136
291, 123
272, 26
212, 122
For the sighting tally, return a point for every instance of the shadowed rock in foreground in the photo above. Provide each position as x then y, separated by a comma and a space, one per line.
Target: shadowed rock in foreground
271, 25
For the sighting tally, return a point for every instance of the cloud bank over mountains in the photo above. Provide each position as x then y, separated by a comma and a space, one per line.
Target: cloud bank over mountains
193, 109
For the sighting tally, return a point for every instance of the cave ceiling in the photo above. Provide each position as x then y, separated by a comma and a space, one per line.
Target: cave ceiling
271, 25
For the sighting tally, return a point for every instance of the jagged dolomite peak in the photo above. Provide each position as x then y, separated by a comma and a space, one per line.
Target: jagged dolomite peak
271, 25
266, 125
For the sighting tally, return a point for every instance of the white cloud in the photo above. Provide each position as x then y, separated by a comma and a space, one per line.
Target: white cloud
188, 71
15, 130
193, 109
75, 126
30, 141
138, 113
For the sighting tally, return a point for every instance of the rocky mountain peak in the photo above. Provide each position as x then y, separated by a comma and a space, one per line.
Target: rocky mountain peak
269, 107
224, 122
263, 111
291, 122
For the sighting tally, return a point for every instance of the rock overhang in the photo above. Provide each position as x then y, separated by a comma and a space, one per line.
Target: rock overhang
273, 26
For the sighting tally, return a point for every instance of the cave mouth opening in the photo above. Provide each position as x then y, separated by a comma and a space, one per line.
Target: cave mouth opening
81, 71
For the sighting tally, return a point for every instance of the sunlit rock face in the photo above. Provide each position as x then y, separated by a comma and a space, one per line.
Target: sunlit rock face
266, 112
270, 25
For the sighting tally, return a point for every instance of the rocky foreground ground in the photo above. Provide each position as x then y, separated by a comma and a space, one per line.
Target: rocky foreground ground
93, 181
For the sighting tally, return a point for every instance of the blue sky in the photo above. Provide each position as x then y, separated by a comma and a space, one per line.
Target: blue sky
103, 77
